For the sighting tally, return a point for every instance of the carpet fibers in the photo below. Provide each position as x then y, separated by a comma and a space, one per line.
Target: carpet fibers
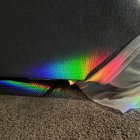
64, 118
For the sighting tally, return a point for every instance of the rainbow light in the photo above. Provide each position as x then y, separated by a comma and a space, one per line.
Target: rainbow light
28, 88
110, 71
71, 82
32, 88
129, 102
95, 59
74, 68
59, 92
114, 67
136, 103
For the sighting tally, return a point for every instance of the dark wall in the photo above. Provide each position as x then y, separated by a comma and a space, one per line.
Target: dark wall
38, 31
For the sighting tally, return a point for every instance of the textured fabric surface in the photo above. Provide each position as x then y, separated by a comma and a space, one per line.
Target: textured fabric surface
63, 39
69, 116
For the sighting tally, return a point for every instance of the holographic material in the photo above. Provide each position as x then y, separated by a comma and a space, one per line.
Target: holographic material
118, 64
117, 84
106, 74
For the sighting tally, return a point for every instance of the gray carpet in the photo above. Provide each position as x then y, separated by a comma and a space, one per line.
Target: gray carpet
64, 117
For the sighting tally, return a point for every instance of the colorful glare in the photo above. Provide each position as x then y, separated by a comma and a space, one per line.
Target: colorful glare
137, 103
58, 92
110, 71
74, 68
28, 88
131, 103
69, 68
95, 59
133, 98
71, 82
106, 74
32, 88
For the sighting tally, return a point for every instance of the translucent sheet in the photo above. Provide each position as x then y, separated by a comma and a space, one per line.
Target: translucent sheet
117, 84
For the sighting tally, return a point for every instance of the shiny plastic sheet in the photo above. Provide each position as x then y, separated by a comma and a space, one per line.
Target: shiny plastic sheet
117, 85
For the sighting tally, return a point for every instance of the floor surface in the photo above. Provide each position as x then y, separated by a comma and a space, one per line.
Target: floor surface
69, 116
